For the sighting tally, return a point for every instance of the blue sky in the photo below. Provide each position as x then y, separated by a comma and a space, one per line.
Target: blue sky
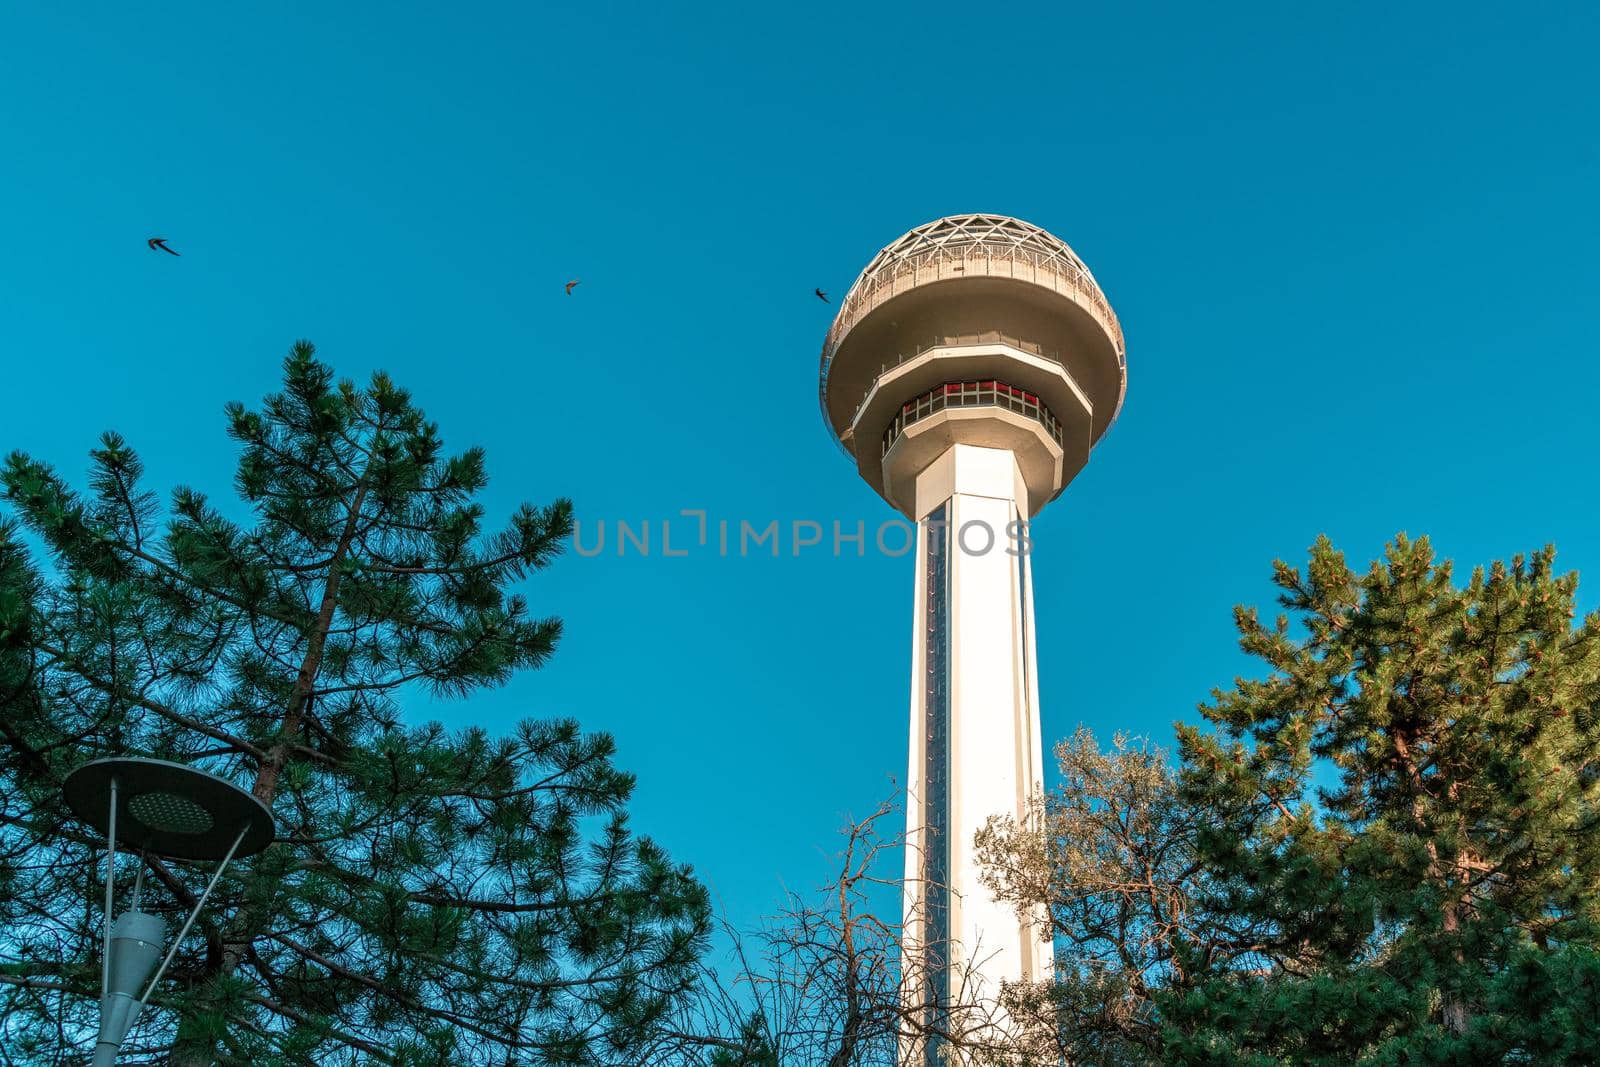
1353, 249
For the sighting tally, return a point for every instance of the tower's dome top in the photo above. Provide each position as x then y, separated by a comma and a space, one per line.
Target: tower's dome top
958, 233
976, 258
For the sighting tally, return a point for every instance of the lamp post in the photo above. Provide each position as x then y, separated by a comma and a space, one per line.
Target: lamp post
159, 808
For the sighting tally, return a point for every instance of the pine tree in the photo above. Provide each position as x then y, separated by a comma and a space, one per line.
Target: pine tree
1382, 852
434, 896
1405, 808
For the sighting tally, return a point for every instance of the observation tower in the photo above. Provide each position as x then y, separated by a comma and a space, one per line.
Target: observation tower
970, 370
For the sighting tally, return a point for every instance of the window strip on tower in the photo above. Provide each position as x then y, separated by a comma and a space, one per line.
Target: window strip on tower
936, 802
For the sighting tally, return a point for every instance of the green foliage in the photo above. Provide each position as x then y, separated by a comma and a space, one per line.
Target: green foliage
1384, 850
1404, 809
750, 1047
434, 896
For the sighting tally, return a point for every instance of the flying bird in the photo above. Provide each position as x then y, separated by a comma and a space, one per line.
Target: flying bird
572, 283
821, 296
161, 243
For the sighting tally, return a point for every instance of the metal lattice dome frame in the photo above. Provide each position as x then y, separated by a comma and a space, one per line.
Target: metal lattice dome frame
964, 233
972, 246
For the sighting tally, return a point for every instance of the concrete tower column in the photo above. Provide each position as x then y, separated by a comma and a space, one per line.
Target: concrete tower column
975, 750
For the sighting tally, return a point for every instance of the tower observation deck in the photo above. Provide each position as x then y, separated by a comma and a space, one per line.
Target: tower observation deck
968, 373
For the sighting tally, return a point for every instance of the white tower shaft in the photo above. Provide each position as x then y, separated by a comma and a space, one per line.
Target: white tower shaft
975, 738
970, 371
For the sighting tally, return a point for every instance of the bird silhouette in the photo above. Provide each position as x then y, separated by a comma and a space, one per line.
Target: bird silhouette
161, 243
822, 296
570, 284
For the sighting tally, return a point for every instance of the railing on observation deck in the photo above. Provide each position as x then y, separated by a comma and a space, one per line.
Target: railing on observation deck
952, 340
976, 259
971, 394
987, 337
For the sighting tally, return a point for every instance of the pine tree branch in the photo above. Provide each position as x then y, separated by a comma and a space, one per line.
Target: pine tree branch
116, 692
208, 590
279, 1008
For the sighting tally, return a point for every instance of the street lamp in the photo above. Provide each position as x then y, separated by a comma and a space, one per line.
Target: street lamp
164, 809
